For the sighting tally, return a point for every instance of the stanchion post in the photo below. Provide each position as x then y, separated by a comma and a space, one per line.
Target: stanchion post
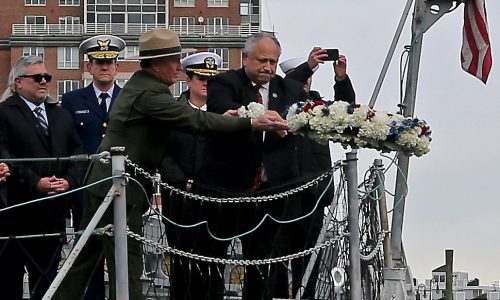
120, 222
382, 207
350, 169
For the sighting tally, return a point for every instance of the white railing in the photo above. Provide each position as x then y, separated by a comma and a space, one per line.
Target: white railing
120, 28
182, 30
215, 30
47, 29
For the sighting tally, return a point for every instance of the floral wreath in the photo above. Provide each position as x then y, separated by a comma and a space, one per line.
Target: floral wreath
354, 125
359, 126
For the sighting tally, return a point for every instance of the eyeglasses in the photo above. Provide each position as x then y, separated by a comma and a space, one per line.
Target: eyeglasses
38, 77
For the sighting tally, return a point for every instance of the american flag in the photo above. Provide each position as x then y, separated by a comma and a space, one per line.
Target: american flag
476, 49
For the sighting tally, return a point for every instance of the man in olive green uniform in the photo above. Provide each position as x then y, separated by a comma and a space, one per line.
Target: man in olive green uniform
140, 120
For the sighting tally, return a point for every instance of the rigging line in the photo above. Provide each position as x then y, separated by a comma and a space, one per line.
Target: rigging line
393, 162
58, 195
396, 204
97, 231
269, 15
403, 68
388, 58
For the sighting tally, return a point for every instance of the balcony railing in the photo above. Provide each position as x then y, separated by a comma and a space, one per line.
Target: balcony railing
118, 29
215, 30
47, 29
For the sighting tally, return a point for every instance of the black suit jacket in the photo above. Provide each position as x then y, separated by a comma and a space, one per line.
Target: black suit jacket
185, 153
231, 161
22, 137
89, 119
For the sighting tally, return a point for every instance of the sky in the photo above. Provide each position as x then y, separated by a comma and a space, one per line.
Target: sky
453, 201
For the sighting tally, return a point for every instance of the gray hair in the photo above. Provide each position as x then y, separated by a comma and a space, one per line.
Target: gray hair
17, 70
255, 38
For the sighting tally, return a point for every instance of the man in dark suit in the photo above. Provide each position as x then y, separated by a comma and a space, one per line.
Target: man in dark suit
314, 160
238, 164
141, 120
30, 128
89, 109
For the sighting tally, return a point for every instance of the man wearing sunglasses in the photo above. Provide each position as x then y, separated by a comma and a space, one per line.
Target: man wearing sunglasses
31, 127
89, 108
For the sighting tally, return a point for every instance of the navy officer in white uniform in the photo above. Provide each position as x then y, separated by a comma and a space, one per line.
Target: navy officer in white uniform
180, 169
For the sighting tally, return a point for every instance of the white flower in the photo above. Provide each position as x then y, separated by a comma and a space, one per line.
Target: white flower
253, 110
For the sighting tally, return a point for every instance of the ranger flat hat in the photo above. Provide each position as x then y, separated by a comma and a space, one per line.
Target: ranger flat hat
202, 63
159, 42
102, 46
292, 63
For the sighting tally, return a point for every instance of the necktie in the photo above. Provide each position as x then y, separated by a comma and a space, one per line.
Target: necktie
257, 181
41, 120
259, 95
104, 107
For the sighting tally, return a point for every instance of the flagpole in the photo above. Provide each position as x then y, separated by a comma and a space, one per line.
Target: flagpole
398, 279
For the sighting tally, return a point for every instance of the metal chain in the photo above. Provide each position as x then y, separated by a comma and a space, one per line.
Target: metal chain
224, 261
245, 199
375, 250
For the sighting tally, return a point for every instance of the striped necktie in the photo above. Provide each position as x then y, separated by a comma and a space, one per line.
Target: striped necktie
41, 120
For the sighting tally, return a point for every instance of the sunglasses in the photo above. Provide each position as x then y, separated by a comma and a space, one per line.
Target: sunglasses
38, 77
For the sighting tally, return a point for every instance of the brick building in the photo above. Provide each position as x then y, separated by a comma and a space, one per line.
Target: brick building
55, 28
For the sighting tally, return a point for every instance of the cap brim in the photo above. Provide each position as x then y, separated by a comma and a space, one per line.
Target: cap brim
187, 50
103, 54
203, 72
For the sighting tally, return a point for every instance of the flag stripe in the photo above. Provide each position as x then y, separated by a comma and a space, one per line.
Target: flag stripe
476, 52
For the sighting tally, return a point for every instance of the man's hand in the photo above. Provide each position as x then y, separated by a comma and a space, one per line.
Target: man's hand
4, 172
270, 121
232, 112
340, 68
316, 57
52, 185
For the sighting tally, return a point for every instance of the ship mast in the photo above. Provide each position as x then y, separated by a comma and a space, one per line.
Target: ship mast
398, 279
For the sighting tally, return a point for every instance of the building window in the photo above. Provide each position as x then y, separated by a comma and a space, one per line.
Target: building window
69, 2
183, 25
218, 25
64, 86
244, 9
125, 16
35, 20
184, 3
34, 2
224, 54
179, 87
69, 20
69, 24
33, 51
129, 51
218, 21
218, 3
68, 58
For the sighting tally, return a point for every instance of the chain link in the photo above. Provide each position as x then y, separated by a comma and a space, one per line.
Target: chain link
375, 250
257, 199
224, 261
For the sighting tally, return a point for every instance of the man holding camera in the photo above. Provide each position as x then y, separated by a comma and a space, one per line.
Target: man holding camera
314, 160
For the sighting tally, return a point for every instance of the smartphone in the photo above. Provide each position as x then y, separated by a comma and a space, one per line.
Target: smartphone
333, 54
